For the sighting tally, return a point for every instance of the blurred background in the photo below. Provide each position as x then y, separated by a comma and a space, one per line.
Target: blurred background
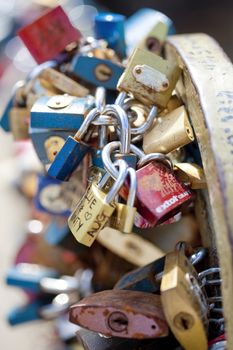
209, 16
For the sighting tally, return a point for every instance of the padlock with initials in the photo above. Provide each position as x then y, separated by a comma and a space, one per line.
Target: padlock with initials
150, 78
95, 208
170, 132
121, 313
49, 35
60, 112
159, 194
99, 72
184, 302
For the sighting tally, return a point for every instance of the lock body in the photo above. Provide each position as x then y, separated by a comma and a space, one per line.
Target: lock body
160, 195
123, 218
155, 38
49, 35
99, 72
90, 216
121, 313
192, 174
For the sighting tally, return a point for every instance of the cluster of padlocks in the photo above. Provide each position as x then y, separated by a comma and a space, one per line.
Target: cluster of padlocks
121, 168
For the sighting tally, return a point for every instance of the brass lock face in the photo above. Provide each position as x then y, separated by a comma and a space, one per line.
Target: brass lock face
52, 146
184, 302
150, 78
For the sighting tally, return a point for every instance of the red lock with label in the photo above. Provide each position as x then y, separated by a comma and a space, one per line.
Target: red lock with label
159, 194
49, 35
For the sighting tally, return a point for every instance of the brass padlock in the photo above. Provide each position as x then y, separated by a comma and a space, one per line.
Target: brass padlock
184, 302
95, 208
62, 83
192, 174
150, 78
169, 133
129, 246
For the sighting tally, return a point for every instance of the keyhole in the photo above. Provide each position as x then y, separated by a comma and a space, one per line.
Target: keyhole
183, 321
103, 72
153, 44
118, 321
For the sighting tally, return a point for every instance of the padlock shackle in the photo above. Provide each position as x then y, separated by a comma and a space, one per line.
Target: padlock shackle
100, 98
133, 186
158, 157
106, 157
148, 123
92, 115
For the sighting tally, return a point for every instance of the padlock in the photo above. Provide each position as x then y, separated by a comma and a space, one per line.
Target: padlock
159, 194
124, 215
150, 78
49, 35
155, 38
73, 151
170, 132
192, 174
173, 103
95, 208
129, 246
47, 143
94, 341
184, 302
28, 276
62, 83
121, 313
19, 122
60, 112
49, 198
110, 27
134, 30
99, 72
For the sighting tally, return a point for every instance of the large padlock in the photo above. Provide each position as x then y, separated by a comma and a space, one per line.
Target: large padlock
184, 302
99, 72
150, 78
121, 313
49, 35
110, 27
60, 112
47, 143
170, 132
95, 208
62, 82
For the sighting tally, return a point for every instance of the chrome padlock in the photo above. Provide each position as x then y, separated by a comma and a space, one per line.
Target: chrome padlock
73, 151
124, 215
60, 112
184, 302
150, 78
99, 72
110, 27
170, 132
47, 143
48, 36
121, 313
159, 194
95, 208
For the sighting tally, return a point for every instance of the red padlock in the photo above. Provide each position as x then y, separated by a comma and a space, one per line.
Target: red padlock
49, 35
159, 194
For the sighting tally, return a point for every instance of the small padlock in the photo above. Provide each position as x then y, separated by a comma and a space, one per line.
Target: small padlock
192, 174
49, 35
73, 151
170, 132
95, 208
49, 198
47, 142
110, 27
99, 72
62, 83
159, 194
121, 313
129, 246
150, 78
60, 112
184, 302
155, 38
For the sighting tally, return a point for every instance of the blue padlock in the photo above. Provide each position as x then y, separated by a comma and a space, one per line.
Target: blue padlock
110, 27
27, 313
135, 31
60, 112
28, 276
73, 151
49, 197
47, 143
99, 72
